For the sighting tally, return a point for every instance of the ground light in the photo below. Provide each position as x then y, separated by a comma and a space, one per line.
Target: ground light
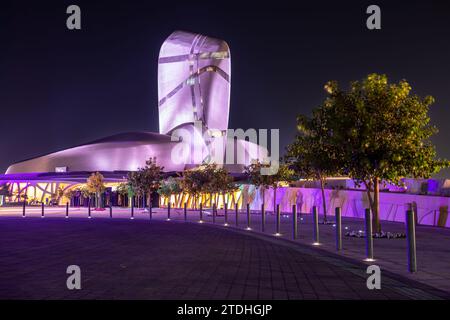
316, 243
369, 260
277, 234
201, 221
248, 228
225, 224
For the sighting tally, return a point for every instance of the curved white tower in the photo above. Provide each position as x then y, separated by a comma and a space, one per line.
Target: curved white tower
193, 82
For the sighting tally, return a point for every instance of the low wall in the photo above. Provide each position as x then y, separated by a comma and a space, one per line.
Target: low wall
431, 210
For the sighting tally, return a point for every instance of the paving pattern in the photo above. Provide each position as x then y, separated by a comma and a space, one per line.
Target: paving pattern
141, 259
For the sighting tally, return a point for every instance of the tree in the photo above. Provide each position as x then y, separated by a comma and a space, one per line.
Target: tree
313, 155
170, 186
146, 180
383, 134
253, 173
219, 181
85, 192
4, 192
95, 185
122, 189
195, 181
227, 184
70, 193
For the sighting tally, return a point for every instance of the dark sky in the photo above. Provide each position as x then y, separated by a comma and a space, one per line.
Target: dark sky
60, 88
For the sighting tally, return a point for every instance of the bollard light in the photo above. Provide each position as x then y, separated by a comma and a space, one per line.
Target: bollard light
226, 215
338, 226
294, 222
369, 237
263, 218
248, 217
411, 237
316, 226
67, 210
278, 221
150, 211
168, 211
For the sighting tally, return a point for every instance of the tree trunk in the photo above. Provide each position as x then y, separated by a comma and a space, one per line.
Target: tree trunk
374, 202
177, 200
223, 198
376, 206
324, 202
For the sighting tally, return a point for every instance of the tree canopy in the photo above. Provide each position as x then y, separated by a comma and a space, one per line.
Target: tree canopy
380, 132
146, 179
95, 183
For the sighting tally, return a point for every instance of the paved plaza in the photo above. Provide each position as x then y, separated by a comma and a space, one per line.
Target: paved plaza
142, 259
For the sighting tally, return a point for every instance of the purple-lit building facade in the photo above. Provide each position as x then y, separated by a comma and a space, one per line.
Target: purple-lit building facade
194, 83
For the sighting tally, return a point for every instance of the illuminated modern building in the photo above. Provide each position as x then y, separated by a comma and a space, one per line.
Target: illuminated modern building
194, 84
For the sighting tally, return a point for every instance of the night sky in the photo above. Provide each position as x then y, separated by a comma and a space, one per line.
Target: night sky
60, 88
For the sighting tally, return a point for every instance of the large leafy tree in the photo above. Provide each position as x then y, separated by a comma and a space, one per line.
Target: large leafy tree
313, 155
146, 180
383, 132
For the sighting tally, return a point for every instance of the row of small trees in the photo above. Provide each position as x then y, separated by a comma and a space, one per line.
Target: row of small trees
208, 179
